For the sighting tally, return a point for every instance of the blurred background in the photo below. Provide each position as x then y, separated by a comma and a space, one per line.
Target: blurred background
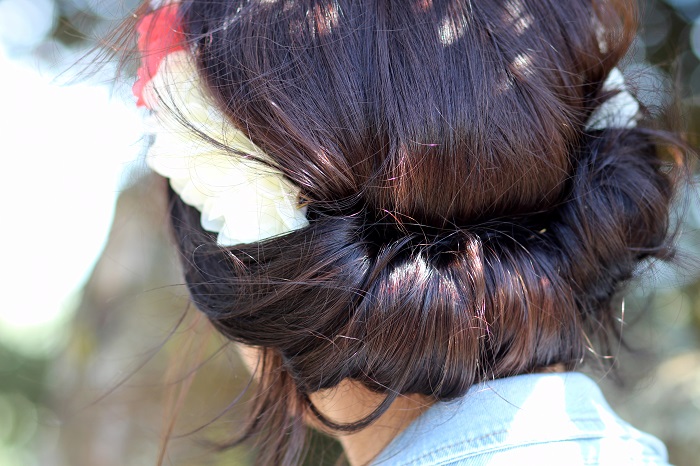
100, 353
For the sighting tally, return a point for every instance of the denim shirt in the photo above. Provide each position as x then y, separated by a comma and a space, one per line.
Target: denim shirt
536, 419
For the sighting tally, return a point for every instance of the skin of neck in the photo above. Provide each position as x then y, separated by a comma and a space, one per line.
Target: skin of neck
350, 402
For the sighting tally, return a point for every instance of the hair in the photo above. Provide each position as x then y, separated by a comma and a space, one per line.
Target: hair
464, 224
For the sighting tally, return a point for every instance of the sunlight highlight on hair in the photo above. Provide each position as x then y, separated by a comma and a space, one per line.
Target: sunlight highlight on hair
522, 65
517, 16
326, 18
452, 29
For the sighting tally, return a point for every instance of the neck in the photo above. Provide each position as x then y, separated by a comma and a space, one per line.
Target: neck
350, 402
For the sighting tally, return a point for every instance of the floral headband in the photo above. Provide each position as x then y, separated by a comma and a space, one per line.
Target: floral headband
239, 197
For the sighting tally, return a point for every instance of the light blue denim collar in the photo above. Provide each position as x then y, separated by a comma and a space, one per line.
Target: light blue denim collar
513, 414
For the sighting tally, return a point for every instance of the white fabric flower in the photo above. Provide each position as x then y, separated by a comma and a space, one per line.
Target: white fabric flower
243, 200
620, 111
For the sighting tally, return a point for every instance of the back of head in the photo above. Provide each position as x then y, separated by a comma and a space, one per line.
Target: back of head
466, 221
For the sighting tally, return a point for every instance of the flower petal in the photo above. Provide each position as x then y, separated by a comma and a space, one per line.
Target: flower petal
620, 111
241, 198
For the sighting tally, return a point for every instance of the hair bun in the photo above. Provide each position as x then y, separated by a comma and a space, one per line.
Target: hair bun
616, 214
487, 300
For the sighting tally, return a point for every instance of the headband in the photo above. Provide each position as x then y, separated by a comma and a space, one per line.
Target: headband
211, 164
215, 168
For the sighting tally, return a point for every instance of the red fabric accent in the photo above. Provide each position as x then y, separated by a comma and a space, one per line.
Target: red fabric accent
160, 34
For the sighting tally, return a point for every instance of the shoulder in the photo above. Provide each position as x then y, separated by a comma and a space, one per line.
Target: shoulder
531, 419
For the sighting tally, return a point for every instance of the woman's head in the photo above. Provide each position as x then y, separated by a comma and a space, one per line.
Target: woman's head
465, 219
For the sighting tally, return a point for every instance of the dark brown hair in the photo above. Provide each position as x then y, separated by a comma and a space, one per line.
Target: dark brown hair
464, 223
